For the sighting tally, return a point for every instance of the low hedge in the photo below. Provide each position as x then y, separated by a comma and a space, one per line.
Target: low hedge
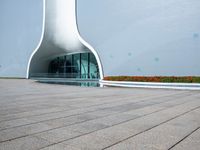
166, 79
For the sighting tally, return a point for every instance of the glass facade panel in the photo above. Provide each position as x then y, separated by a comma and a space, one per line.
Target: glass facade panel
81, 65
94, 70
76, 66
84, 65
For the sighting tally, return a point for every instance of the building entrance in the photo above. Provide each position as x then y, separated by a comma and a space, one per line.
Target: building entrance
80, 65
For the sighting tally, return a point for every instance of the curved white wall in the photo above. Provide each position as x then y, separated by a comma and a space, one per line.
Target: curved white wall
143, 37
60, 36
20, 28
132, 37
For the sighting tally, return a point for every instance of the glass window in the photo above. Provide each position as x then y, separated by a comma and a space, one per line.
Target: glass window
81, 65
84, 65
94, 72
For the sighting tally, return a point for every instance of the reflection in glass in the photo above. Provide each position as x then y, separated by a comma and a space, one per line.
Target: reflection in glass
81, 65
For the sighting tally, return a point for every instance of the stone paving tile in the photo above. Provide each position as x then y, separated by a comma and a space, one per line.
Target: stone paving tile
91, 125
33, 128
22, 131
37, 127
133, 127
60, 147
13, 123
110, 108
99, 139
79, 128
163, 136
58, 135
40, 116
29, 114
192, 142
69, 120
50, 116
22, 109
25, 143
10, 134
65, 133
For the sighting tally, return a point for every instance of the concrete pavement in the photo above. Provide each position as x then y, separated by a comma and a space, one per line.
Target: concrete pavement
37, 116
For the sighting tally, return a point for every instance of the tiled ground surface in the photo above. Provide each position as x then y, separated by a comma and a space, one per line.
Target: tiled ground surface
56, 117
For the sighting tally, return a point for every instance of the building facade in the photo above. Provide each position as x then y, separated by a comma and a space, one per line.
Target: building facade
92, 39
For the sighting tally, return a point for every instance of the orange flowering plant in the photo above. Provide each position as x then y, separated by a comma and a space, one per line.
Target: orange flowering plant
169, 79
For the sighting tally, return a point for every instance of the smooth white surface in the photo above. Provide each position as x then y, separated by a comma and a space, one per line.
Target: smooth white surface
132, 37
60, 36
39, 44
180, 86
143, 37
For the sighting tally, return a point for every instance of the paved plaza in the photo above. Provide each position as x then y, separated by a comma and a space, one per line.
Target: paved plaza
36, 116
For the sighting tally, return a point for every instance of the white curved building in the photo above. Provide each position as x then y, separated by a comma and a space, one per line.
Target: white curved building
61, 51
92, 39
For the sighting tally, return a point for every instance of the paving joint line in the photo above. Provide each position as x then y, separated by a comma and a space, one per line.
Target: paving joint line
72, 109
143, 99
122, 123
151, 127
85, 113
93, 119
184, 138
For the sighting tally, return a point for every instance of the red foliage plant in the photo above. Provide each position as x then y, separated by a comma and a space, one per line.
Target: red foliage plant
182, 79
